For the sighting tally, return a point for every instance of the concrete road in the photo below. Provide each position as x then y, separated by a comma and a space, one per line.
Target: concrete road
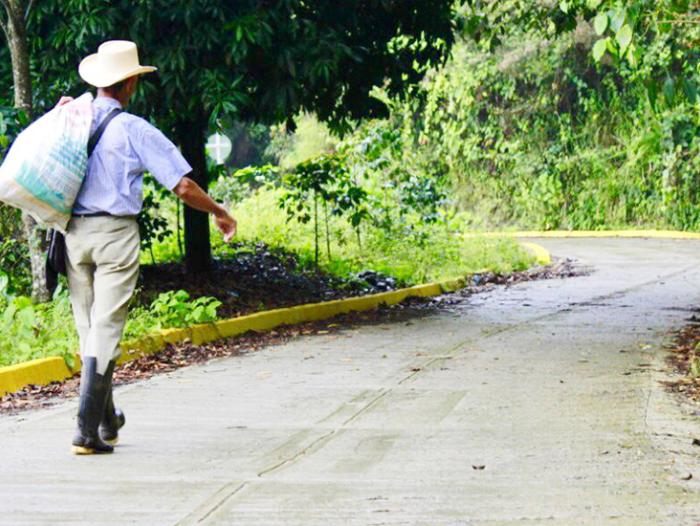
536, 404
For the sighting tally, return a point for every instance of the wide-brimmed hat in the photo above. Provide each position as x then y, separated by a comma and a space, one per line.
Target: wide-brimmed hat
114, 61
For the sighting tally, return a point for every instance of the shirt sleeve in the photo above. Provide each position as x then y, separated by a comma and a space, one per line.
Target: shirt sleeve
160, 157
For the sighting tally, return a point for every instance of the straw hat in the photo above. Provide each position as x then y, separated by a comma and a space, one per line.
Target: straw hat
114, 61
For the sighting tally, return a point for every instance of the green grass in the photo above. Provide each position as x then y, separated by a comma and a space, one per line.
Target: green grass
412, 255
416, 254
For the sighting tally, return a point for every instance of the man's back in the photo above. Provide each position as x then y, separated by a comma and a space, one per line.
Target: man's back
129, 146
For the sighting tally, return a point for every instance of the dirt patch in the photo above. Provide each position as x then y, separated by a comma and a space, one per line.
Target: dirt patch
258, 277
182, 355
682, 353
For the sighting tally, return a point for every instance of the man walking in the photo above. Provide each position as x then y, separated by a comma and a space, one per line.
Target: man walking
102, 241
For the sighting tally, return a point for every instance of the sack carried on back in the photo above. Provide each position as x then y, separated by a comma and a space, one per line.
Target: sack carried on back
45, 167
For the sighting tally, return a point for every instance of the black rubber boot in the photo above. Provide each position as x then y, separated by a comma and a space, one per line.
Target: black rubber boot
93, 398
112, 421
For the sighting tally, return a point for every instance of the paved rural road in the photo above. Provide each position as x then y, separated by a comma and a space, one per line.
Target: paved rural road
550, 389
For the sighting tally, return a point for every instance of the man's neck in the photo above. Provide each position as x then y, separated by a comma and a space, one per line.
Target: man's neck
106, 94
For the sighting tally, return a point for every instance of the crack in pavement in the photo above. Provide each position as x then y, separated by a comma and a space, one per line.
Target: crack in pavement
200, 515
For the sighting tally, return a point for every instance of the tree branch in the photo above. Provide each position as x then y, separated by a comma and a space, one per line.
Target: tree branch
29, 8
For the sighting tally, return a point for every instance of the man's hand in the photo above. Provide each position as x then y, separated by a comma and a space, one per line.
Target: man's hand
193, 195
64, 101
226, 224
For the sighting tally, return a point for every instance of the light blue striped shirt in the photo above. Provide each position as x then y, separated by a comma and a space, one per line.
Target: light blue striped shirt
129, 147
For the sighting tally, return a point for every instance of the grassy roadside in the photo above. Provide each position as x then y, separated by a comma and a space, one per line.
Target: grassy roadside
411, 253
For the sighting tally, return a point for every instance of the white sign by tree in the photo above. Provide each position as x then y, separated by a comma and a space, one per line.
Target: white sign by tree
219, 147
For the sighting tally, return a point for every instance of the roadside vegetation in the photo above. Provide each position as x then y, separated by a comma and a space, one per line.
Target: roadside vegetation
348, 215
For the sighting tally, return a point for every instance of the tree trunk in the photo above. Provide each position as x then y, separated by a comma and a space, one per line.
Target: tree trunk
316, 236
328, 231
19, 52
197, 236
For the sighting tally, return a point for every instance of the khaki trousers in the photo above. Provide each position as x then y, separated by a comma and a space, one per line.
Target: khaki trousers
102, 260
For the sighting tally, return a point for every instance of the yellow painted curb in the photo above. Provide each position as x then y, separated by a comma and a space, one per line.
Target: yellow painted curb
36, 372
47, 370
542, 255
554, 234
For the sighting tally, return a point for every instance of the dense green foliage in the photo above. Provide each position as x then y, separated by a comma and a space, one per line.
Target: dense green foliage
537, 126
14, 253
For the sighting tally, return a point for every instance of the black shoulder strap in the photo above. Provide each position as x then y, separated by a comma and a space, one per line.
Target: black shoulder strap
95, 137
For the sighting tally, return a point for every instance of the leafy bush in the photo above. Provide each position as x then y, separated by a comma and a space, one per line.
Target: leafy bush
175, 309
323, 181
29, 331
310, 139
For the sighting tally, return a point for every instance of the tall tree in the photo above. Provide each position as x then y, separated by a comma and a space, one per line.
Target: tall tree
14, 26
256, 60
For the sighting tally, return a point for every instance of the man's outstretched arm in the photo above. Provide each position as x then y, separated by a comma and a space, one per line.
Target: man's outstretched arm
192, 195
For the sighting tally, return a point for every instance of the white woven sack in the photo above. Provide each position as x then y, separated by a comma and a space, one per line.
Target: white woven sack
45, 167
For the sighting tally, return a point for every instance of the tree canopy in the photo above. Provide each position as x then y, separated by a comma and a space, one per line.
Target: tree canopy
256, 60
651, 41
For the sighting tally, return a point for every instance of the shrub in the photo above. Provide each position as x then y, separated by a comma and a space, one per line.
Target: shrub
29, 331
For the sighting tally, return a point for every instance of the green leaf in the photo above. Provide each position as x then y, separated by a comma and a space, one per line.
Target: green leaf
612, 47
599, 49
593, 4
669, 90
23, 118
690, 88
633, 55
600, 24
617, 19
564, 6
624, 38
